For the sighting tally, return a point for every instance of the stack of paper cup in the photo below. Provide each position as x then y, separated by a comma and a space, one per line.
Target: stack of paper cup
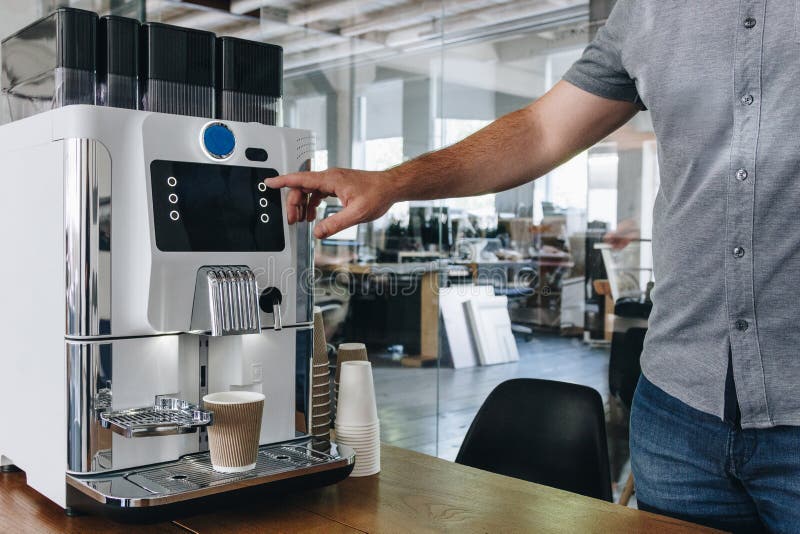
347, 352
357, 424
320, 382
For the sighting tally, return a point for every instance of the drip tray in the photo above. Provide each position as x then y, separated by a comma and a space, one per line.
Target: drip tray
192, 476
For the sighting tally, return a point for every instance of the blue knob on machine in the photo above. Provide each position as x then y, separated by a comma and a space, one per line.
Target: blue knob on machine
218, 140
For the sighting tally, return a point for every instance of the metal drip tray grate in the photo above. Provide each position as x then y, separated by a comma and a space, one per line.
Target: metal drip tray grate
192, 476
196, 471
168, 416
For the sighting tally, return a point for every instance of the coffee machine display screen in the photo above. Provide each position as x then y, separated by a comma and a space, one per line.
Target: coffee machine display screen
201, 207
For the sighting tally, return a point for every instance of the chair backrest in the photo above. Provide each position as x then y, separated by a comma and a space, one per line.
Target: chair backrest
548, 432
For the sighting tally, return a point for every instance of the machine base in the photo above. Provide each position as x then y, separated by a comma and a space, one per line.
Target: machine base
190, 486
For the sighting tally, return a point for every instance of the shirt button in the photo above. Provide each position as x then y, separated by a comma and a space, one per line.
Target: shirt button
742, 325
749, 22
738, 252
747, 100
741, 175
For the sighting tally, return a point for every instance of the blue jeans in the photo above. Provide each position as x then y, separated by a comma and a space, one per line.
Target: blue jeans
694, 466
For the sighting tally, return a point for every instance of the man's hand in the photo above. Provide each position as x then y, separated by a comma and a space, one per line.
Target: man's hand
512, 150
627, 231
365, 195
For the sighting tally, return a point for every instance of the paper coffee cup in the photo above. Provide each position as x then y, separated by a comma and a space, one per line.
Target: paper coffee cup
355, 404
349, 352
234, 435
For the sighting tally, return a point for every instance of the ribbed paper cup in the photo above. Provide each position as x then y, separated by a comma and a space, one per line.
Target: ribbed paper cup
322, 420
233, 437
320, 344
319, 398
323, 380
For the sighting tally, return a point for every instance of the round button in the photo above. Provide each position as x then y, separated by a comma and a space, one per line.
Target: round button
263, 202
218, 140
749, 22
262, 186
738, 252
173, 198
741, 175
264, 218
742, 325
172, 181
747, 100
174, 215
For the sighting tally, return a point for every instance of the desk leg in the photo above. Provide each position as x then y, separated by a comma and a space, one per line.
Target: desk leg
429, 322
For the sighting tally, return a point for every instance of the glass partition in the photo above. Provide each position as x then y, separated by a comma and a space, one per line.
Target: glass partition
373, 111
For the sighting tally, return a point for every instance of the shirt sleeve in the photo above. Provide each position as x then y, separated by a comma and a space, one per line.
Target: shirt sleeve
600, 70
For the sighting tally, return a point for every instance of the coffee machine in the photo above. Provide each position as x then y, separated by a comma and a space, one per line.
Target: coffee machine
148, 265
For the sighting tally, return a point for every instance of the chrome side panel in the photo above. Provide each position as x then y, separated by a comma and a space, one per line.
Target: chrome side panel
87, 237
89, 376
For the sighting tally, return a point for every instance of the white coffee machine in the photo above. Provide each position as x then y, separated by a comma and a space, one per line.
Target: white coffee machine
147, 264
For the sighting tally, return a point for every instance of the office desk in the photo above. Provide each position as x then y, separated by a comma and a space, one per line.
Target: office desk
404, 304
413, 493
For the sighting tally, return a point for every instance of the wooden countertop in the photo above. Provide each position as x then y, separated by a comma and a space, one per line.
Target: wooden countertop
413, 493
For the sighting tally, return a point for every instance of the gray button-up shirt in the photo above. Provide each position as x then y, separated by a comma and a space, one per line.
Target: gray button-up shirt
722, 82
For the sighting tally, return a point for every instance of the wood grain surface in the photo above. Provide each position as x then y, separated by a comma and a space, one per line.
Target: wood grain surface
419, 493
413, 493
24, 510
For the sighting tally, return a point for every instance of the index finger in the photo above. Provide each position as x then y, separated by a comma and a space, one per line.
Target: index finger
298, 180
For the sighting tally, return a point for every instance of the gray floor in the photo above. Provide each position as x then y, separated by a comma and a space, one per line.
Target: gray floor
410, 399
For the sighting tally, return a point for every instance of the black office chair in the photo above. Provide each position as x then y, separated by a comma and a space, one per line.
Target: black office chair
548, 432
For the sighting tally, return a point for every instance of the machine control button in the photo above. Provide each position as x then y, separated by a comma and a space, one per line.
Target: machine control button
256, 154
218, 140
174, 215
262, 186
263, 202
172, 181
264, 218
173, 198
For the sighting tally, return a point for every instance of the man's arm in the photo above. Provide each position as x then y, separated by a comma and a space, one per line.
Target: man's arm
512, 150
